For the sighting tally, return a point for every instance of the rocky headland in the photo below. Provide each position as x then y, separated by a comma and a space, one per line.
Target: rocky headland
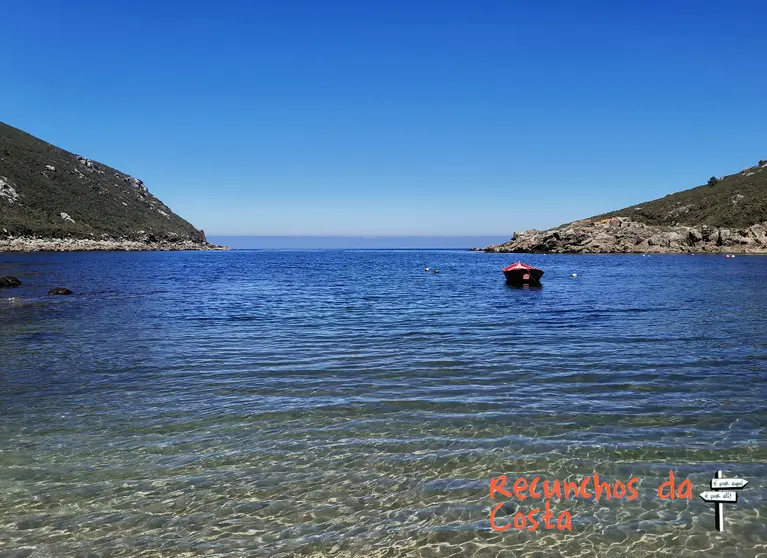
624, 236
728, 214
54, 200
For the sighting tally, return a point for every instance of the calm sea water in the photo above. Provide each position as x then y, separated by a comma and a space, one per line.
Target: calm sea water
346, 403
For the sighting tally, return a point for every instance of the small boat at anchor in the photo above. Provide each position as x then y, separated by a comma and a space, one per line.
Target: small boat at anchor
520, 274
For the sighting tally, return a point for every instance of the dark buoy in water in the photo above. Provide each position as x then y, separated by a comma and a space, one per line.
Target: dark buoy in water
436, 271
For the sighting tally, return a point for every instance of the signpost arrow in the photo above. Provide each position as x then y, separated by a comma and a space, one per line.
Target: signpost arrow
728, 483
720, 496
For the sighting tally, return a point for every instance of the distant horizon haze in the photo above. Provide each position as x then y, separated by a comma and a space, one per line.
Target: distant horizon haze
318, 242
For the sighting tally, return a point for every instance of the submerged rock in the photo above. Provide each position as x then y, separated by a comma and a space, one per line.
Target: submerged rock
9, 282
60, 291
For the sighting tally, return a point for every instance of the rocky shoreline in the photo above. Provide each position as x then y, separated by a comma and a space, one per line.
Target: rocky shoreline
621, 235
27, 244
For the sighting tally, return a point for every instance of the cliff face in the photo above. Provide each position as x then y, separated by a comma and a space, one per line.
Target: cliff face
53, 199
729, 214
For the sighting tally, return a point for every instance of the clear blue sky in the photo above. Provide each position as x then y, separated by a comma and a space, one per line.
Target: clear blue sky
404, 118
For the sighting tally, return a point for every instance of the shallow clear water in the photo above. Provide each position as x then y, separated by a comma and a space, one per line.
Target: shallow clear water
346, 403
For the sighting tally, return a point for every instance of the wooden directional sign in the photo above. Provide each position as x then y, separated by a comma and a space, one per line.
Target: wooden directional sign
728, 483
720, 496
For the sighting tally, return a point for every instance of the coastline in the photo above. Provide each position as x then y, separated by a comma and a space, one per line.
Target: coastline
620, 235
26, 244
667, 253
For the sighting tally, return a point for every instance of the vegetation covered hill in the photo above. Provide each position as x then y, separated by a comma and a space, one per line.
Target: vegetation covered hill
728, 214
46, 192
734, 201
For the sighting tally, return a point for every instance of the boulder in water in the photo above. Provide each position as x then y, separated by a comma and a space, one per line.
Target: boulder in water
9, 282
60, 291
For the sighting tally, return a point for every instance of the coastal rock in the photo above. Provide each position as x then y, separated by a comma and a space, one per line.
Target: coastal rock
60, 291
677, 241
622, 235
9, 282
138, 184
693, 236
30, 244
602, 242
758, 234
83, 161
7, 191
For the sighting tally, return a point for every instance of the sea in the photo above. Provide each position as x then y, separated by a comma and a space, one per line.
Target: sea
350, 403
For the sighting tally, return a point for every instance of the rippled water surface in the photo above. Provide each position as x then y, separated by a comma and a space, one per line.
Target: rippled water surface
347, 403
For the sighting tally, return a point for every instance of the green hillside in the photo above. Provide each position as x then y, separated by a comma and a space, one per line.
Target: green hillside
734, 201
48, 192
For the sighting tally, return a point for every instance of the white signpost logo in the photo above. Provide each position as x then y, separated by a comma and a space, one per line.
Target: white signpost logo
719, 495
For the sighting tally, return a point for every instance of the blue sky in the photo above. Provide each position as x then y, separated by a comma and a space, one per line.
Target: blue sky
393, 118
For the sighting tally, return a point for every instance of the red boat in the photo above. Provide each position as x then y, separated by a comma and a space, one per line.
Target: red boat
520, 274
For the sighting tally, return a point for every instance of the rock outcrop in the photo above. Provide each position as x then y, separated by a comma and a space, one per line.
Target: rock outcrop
622, 235
9, 282
60, 291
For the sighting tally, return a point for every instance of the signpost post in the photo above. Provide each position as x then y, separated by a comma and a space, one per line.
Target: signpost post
719, 496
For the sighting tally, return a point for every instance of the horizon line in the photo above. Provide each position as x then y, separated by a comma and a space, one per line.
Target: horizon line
355, 235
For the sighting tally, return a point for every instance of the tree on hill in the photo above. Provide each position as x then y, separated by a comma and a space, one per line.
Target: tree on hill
713, 181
